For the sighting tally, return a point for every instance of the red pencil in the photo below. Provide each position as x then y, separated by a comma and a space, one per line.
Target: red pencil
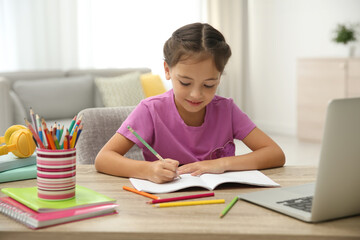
36, 136
181, 198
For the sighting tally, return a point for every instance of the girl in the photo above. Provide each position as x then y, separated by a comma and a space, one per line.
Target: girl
190, 126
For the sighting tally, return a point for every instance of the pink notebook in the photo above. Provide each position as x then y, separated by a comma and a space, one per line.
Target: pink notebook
34, 220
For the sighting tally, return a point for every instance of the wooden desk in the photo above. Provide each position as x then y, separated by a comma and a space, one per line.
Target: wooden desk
137, 220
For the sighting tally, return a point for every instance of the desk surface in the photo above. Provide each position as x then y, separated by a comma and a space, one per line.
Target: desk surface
138, 220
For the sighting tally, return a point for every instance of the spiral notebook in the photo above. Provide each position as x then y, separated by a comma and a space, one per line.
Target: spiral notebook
34, 220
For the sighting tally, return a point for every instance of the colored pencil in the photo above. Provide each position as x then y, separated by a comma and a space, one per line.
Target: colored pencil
65, 143
41, 136
145, 143
228, 207
72, 123
73, 138
33, 119
50, 141
76, 125
78, 134
56, 142
145, 194
35, 135
189, 203
181, 198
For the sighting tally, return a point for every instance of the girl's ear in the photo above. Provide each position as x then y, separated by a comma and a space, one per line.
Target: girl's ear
167, 71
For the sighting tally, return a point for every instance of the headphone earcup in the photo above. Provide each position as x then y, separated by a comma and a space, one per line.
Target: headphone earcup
10, 131
24, 143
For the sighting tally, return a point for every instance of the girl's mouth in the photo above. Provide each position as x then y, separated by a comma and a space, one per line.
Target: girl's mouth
194, 103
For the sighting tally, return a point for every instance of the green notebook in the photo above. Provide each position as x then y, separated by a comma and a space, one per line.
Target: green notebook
83, 197
28, 172
10, 161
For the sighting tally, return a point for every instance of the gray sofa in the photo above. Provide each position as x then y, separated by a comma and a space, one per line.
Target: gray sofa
55, 95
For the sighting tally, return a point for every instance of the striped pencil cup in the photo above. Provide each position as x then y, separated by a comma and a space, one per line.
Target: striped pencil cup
56, 174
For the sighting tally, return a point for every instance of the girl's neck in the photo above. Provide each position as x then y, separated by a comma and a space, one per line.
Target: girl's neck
195, 119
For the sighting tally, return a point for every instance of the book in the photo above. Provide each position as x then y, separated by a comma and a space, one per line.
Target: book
83, 197
34, 220
10, 161
22, 173
207, 181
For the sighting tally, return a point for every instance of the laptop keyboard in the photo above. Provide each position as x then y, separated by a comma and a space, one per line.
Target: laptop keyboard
303, 203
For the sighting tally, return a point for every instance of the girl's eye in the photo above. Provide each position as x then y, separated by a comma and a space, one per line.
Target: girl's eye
184, 84
209, 86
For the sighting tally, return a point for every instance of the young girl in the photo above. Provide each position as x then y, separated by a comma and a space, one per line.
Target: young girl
189, 126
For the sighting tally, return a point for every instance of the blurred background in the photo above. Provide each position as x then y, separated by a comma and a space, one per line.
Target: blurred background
267, 38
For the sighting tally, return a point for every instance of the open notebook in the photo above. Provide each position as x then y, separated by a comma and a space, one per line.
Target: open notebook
208, 181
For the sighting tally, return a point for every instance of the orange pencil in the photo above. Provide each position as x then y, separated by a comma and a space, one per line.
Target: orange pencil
66, 145
140, 193
51, 144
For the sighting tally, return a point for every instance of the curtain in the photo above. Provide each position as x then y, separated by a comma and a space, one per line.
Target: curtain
230, 18
66, 34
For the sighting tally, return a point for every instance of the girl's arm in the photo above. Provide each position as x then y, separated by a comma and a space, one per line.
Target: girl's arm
111, 160
265, 154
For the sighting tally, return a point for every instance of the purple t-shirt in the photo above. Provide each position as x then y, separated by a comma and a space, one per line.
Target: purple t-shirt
158, 122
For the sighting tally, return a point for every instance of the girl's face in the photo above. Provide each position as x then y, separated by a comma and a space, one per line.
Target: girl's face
194, 85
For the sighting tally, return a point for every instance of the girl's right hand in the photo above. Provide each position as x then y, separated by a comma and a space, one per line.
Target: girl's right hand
163, 171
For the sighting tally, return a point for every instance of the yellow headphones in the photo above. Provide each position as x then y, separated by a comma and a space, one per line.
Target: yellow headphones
18, 140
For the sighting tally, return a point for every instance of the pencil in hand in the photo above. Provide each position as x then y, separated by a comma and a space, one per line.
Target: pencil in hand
145, 143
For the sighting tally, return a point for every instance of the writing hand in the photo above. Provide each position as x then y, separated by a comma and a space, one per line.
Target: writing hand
163, 171
198, 168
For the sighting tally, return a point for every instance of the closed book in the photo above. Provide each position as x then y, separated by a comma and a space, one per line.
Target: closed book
34, 220
83, 197
10, 161
22, 173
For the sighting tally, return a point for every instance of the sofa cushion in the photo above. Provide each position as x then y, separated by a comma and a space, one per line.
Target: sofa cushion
56, 98
152, 84
124, 90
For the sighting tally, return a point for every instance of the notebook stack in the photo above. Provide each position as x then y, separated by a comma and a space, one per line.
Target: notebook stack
24, 206
13, 168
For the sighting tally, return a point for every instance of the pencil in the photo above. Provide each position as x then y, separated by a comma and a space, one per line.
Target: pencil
35, 135
228, 207
76, 125
33, 119
189, 203
78, 134
181, 198
145, 143
73, 138
56, 142
72, 123
145, 194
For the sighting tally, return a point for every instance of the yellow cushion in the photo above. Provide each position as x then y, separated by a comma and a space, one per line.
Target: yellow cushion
152, 84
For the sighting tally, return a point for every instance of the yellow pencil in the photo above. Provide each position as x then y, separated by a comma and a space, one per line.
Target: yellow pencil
189, 203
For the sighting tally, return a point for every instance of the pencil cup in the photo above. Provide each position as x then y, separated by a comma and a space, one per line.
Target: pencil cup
56, 174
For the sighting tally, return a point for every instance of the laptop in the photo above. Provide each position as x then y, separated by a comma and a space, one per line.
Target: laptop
336, 192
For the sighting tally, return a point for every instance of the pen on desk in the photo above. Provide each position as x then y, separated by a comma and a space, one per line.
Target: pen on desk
181, 198
145, 194
189, 203
228, 207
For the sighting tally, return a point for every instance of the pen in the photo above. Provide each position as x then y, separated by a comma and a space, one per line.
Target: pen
189, 203
181, 198
145, 194
228, 207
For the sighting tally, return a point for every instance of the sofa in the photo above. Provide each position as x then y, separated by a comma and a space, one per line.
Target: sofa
57, 96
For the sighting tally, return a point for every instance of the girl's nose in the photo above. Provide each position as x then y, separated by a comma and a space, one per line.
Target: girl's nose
195, 93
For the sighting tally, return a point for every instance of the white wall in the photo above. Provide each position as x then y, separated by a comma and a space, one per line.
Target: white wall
280, 31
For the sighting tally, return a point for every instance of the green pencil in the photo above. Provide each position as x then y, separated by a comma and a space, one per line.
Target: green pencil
145, 143
228, 207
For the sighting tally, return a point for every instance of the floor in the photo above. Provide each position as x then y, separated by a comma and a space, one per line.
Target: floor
297, 152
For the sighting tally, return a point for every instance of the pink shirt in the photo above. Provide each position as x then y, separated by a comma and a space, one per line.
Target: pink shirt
158, 122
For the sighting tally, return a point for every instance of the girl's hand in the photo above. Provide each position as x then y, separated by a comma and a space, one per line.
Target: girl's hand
198, 168
163, 171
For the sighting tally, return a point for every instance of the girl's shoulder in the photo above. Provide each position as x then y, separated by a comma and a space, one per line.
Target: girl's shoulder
219, 101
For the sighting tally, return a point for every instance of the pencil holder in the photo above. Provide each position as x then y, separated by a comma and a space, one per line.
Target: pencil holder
56, 174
